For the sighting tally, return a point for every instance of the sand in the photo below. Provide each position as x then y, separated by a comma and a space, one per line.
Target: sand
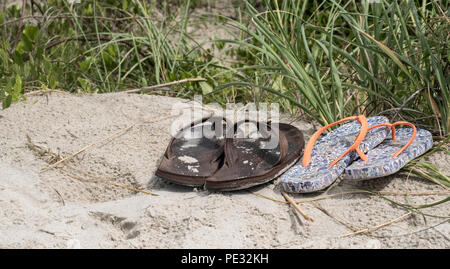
74, 207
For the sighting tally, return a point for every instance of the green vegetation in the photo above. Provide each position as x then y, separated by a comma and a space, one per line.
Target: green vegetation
95, 46
334, 59
331, 59
326, 59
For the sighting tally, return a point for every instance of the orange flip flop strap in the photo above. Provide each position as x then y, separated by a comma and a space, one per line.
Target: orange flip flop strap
364, 129
392, 125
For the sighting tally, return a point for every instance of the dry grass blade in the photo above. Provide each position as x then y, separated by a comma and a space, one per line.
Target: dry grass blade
294, 205
421, 173
49, 156
326, 212
370, 229
441, 11
323, 197
39, 92
120, 132
104, 180
389, 52
268, 198
87, 147
149, 88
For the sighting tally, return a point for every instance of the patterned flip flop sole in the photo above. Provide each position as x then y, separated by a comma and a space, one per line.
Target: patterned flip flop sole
318, 175
380, 161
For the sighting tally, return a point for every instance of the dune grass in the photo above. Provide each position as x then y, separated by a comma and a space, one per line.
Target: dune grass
325, 59
333, 59
95, 46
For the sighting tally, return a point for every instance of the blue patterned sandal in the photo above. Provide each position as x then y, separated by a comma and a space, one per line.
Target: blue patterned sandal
323, 163
391, 155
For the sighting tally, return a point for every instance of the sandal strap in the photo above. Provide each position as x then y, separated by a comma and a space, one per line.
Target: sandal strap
392, 125
362, 134
211, 118
229, 147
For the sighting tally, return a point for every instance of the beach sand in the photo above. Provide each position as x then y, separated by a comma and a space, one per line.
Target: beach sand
76, 206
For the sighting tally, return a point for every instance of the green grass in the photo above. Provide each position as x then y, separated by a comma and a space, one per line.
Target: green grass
97, 46
321, 59
333, 59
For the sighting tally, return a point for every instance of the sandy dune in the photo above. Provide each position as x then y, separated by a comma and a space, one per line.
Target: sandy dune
72, 206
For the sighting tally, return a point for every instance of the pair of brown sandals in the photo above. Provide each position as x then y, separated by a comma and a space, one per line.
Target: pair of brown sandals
223, 161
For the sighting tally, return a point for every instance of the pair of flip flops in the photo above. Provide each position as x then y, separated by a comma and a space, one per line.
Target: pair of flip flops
363, 149
208, 153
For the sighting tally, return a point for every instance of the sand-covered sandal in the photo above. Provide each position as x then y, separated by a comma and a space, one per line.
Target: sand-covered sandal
400, 147
248, 164
324, 161
190, 159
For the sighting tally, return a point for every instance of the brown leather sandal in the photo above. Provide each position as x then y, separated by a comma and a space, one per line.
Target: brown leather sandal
247, 164
189, 161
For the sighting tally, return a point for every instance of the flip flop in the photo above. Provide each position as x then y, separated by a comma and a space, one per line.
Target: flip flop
247, 163
323, 162
190, 159
392, 154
